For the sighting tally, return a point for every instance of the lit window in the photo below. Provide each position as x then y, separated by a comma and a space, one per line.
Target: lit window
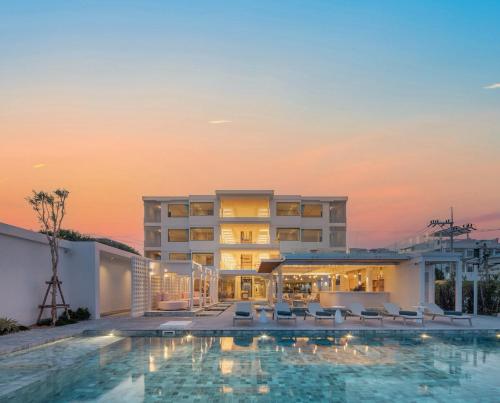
287, 234
288, 209
202, 208
153, 254
202, 234
312, 235
179, 256
312, 210
178, 210
178, 235
205, 259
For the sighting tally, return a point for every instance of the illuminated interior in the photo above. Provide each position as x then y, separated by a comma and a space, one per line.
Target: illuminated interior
248, 207
244, 234
245, 259
306, 279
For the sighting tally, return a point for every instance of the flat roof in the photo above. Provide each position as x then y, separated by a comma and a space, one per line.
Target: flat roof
333, 258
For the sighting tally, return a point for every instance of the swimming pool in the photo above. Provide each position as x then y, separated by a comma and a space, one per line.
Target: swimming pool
257, 368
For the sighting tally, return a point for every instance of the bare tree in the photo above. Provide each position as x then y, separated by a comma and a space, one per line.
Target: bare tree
50, 209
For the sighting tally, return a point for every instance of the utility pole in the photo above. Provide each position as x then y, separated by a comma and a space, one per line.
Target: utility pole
452, 230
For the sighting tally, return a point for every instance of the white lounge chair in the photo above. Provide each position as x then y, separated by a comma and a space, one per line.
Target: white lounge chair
243, 311
282, 311
433, 310
315, 310
395, 311
357, 309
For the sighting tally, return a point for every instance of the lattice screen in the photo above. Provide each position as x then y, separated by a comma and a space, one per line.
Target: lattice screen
140, 286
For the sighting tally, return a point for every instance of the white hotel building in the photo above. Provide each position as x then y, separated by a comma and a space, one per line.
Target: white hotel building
257, 245
234, 230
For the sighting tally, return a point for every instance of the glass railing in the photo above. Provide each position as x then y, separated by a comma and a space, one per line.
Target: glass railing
232, 213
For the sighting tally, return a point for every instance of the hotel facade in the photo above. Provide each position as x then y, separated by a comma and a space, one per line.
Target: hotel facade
258, 245
233, 231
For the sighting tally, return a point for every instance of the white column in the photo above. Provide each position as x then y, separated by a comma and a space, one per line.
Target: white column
191, 291
421, 282
202, 287
458, 285
369, 280
279, 297
475, 290
432, 285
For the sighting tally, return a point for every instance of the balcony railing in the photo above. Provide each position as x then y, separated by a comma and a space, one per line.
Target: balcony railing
231, 213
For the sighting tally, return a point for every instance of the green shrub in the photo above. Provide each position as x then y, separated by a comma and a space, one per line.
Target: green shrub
75, 236
488, 296
74, 317
8, 325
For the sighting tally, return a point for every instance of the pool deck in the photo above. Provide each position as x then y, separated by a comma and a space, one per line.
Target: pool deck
223, 325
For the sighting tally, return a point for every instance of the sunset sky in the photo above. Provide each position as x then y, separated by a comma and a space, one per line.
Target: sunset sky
395, 104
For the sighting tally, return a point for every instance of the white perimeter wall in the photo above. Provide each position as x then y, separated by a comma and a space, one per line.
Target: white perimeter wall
402, 284
25, 266
115, 284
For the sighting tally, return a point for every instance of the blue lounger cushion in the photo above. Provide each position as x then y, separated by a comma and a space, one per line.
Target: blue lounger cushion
369, 313
454, 313
284, 313
408, 313
242, 313
323, 313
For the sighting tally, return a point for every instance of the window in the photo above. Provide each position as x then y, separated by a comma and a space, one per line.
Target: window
178, 210
179, 256
312, 235
202, 234
246, 261
337, 237
178, 235
337, 211
312, 210
288, 209
153, 254
152, 211
205, 259
152, 236
202, 208
287, 234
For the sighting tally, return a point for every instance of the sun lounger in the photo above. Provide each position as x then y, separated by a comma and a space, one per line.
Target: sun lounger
395, 311
434, 311
282, 311
243, 312
358, 310
315, 310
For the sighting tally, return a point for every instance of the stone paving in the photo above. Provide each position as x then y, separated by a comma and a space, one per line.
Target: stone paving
224, 322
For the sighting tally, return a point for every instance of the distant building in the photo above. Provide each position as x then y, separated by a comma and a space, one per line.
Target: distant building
470, 249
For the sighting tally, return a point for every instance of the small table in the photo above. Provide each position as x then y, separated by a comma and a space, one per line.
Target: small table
262, 312
299, 310
335, 309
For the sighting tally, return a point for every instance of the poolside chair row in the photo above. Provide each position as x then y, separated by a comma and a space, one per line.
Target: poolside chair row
282, 311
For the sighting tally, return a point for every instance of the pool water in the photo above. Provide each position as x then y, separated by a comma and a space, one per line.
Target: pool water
261, 368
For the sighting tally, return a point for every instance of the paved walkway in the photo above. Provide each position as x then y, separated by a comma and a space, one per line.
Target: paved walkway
223, 322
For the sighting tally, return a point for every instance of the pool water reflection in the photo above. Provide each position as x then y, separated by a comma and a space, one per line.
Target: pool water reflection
265, 368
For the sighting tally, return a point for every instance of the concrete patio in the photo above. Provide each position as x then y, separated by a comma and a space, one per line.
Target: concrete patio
223, 324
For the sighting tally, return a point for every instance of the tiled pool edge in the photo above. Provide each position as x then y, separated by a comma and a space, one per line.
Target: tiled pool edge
289, 332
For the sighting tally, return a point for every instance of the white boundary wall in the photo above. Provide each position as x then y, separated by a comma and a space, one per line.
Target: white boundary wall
25, 266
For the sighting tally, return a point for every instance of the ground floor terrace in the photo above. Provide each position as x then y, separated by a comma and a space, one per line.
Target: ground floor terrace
333, 279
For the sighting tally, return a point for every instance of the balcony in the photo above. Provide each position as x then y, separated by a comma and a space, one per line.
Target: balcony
245, 260
244, 208
234, 234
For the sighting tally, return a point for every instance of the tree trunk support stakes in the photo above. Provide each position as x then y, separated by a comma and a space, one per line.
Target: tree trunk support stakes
50, 284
